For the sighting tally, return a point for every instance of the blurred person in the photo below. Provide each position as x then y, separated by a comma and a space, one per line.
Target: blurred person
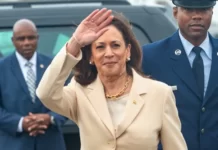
114, 106
188, 61
25, 124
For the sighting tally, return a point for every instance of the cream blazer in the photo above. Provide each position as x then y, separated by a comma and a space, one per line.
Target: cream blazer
150, 116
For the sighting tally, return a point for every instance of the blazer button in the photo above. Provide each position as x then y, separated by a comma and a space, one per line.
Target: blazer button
203, 109
202, 130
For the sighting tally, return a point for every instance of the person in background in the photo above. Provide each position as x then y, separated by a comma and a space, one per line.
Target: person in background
25, 123
188, 61
113, 104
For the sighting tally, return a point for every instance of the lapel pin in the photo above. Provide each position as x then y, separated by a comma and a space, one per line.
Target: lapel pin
178, 52
134, 101
41, 66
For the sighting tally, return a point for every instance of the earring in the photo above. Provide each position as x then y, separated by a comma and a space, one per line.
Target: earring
90, 63
128, 59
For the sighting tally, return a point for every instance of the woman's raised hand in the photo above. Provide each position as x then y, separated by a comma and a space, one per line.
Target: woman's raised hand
93, 26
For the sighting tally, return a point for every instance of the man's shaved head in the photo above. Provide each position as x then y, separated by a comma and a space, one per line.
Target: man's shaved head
24, 23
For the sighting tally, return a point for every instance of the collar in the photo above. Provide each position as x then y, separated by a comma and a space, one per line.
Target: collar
22, 61
205, 45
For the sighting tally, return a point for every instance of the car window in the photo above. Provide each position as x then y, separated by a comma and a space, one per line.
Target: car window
51, 39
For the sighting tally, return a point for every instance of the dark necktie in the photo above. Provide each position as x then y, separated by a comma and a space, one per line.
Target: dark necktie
198, 69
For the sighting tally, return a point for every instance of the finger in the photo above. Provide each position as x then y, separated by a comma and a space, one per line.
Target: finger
88, 18
103, 17
36, 132
99, 33
41, 131
30, 113
28, 120
40, 120
105, 23
30, 123
42, 127
32, 127
32, 116
39, 127
33, 133
98, 14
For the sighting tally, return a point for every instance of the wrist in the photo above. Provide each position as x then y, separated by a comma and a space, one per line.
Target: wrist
73, 47
77, 41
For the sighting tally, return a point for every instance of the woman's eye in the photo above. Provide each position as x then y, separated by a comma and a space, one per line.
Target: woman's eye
116, 45
99, 47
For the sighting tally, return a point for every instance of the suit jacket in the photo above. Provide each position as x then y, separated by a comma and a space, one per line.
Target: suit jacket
151, 112
15, 102
199, 117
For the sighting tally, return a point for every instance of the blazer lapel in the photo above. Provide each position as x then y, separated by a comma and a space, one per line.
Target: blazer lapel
181, 65
134, 104
98, 100
213, 80
16, 70
40, 69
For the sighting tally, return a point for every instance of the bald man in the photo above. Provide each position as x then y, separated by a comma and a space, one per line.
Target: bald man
25, 124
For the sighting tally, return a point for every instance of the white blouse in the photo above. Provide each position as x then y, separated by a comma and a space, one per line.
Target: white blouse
117, 109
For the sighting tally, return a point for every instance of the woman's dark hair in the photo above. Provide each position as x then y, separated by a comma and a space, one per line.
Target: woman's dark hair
85, 73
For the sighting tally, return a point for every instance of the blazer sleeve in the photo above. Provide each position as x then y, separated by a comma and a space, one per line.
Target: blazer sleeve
51, 90
171, 136
8, 121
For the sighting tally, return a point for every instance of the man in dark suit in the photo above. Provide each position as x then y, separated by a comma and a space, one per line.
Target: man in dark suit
188, 61
25, 124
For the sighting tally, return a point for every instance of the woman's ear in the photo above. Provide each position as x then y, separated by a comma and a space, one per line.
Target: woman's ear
128, 50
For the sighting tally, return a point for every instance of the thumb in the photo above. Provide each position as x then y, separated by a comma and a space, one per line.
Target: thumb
99, 33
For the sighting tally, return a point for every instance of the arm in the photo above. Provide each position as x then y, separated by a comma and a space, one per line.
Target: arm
171, 136
51, 90
59, 120
9, 122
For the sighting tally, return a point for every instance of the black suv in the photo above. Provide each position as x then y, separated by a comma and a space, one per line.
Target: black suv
56, 21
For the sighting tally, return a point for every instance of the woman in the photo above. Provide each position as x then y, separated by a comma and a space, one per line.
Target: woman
114, 106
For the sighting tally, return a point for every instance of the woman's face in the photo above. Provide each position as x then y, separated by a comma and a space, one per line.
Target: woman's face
110, 53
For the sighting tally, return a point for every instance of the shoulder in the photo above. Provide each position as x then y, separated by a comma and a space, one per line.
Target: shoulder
5, 60
156, 93
5, 64
158, 86
44, 58
155, 45
143, 83
153, 50
213, 39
